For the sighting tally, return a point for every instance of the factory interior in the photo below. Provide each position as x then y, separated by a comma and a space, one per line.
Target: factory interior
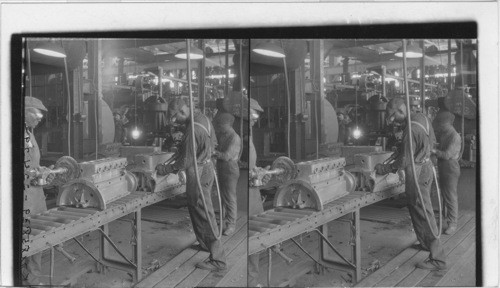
311, 116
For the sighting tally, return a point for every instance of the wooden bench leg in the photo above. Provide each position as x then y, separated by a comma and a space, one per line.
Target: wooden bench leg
355, 242
356, 248
138, 245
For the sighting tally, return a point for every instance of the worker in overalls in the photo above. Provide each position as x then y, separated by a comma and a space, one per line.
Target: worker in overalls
228, 170
34, 198
423, 140
448, 153
205, 141
255, 205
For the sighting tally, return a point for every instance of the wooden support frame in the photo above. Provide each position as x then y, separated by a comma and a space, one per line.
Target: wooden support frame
135, 270
355, 232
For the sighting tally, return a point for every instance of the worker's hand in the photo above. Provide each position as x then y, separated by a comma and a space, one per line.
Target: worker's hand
163, 169
51, 176
266, 177
217, 154
382, 169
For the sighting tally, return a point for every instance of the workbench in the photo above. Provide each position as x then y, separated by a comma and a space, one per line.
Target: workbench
60, 224
277, 225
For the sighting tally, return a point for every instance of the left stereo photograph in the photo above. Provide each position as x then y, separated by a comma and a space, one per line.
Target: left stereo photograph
133, 161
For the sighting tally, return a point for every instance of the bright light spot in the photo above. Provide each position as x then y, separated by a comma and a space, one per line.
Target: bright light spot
396, 73
136, 133
172, 85
356, 133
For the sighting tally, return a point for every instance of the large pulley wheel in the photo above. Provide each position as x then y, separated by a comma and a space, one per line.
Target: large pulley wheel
289, 170
72, 170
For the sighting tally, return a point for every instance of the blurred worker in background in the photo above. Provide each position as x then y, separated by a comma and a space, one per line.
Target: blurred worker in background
184, 158
423, 141
448, 153
34, 198
228, 170
255, 205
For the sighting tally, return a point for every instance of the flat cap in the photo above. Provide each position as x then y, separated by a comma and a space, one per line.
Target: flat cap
32, 102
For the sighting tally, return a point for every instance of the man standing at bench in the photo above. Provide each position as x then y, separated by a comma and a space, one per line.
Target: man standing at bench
448, 153
206, 141
423, 141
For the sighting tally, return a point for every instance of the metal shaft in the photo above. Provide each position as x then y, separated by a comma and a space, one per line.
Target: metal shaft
66, 254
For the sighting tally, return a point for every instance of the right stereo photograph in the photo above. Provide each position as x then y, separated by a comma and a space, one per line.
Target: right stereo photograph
362, 163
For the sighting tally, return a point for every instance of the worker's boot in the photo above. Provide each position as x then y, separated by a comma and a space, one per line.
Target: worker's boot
431, 264
229, 230
452, 227
211, 266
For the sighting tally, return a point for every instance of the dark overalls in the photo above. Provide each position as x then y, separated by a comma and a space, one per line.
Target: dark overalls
423, 139
448, 153
34, 201
228, 172
206, 141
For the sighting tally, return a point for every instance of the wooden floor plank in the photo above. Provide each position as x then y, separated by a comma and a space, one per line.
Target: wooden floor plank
409, 266
394, 264
239, 252
237, 277
453, 277
167, 269
185, 269
174, 264
230, 245
455, 258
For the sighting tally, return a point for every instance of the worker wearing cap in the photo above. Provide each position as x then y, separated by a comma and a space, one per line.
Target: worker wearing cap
255, 205
448, 153
34, 198
228, 170
206, 141
423, 140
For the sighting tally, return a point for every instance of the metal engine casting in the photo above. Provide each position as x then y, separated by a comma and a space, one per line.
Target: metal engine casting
312, 184
99, 183
366, 177
147, 180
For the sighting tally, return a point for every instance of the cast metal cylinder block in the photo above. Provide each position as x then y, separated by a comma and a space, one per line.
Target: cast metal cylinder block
317, 183
101, 182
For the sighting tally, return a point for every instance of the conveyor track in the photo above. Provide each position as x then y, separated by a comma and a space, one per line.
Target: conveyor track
60, 224
280, 224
